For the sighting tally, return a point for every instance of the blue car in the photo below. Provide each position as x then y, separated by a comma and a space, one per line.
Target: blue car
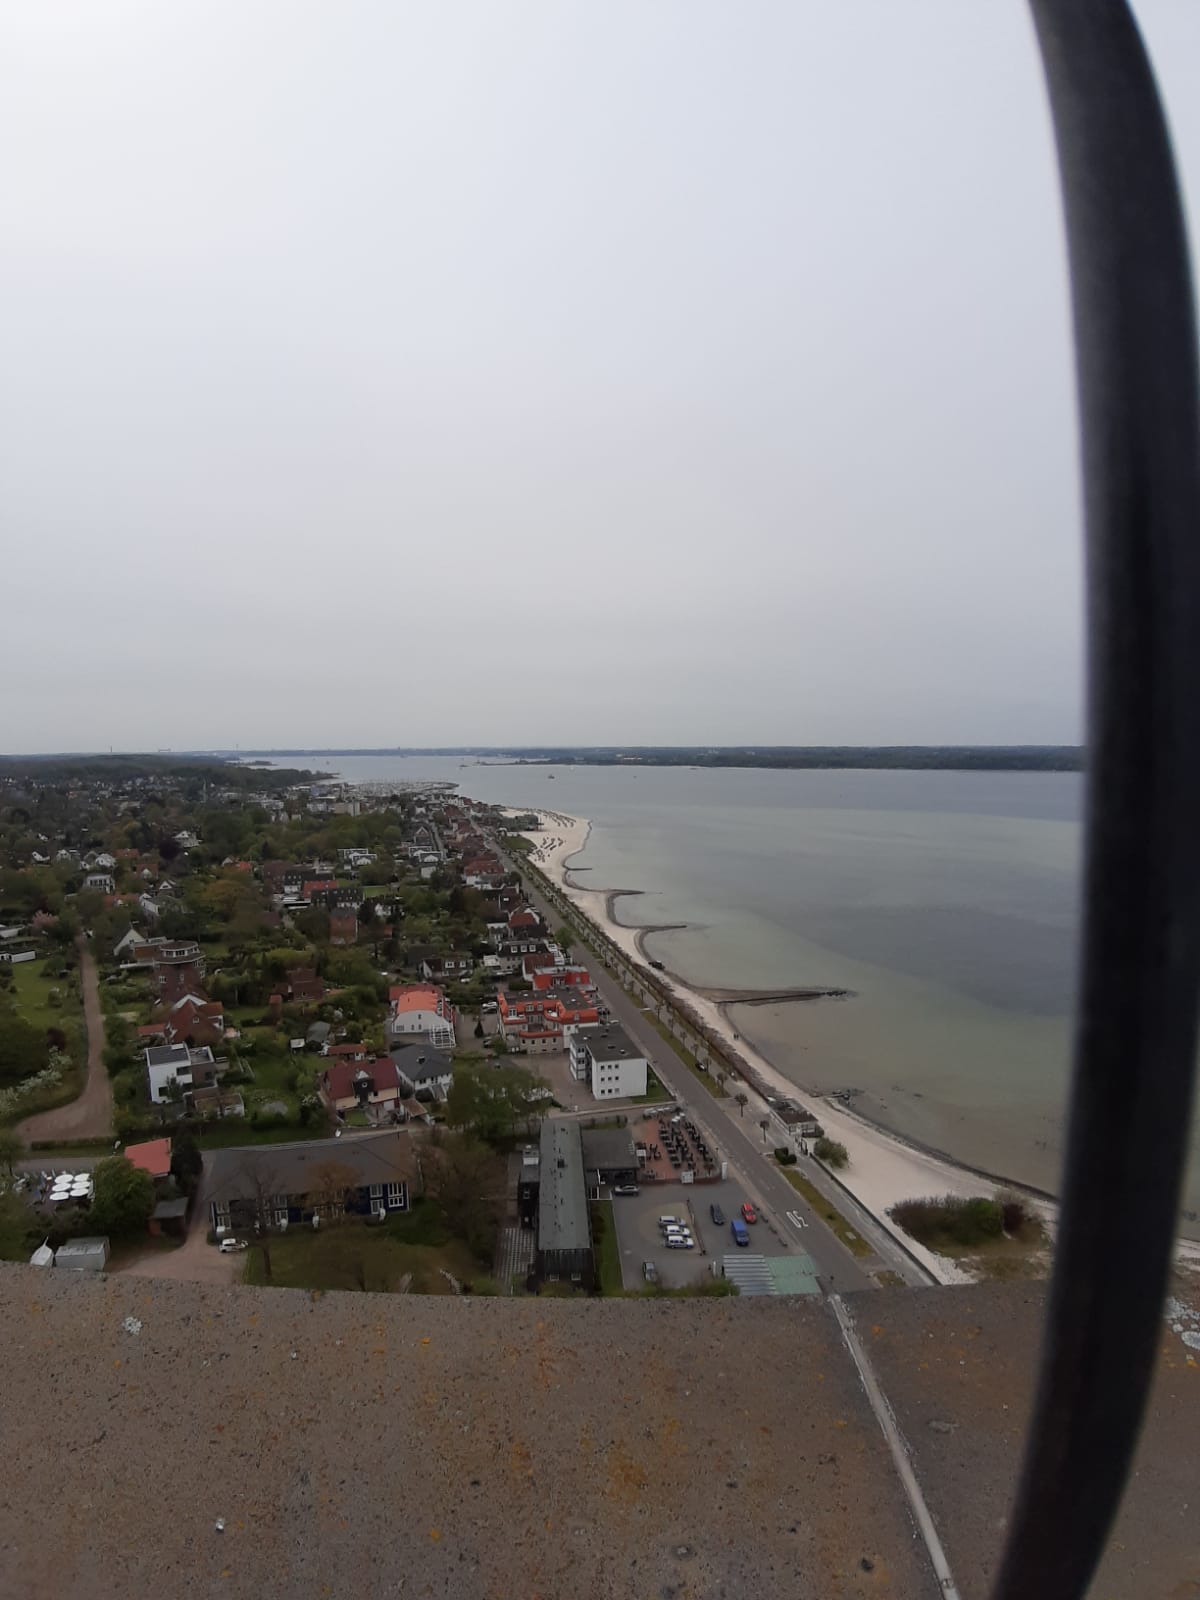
717, 1215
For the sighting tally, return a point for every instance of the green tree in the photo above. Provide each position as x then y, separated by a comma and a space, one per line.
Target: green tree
123, 1197
186, 1161
467, 1180
12, 1148
23, 1048
16, 1225
492, 1102
743, 1100
565, 940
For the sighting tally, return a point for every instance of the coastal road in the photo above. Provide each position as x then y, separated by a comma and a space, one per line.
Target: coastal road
748, 1157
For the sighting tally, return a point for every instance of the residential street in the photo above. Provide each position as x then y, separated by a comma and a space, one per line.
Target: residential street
90, 1115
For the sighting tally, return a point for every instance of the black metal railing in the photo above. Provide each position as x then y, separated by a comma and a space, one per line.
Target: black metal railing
1135, 1032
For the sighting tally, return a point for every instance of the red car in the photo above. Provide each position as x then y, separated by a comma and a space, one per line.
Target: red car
748, 1213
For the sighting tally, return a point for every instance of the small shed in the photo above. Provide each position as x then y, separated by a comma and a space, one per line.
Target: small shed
170, 1217
43, 1256
83, 1255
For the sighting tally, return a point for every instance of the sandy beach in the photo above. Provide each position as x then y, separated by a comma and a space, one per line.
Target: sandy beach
882, 1169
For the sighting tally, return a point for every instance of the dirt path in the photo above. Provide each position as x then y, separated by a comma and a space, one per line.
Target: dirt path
90, 1116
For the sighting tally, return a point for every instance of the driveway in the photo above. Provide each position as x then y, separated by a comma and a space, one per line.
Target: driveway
194, 1261
89, 1116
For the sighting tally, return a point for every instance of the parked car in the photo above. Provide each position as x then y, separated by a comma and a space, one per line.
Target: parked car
748, 1213
741, 1233
625, 1188
717, 1215
228, 1246
664, 1222
649, 1272
678, 1242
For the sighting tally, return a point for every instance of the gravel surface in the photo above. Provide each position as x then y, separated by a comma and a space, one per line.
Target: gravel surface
958, 1367
410, 1446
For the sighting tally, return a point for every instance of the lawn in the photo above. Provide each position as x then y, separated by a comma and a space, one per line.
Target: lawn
837, 1223
351, 1255
655, 1091
608, 1254
239, 1130
685, 1055
31, 995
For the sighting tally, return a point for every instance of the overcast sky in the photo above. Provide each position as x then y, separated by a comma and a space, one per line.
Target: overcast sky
525, 371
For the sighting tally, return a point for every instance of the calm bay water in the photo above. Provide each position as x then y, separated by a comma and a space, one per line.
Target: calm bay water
946, 901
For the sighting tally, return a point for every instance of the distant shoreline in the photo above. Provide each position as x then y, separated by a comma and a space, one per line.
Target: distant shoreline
784, 758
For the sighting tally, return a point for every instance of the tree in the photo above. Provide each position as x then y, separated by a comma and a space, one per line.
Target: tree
330, 1187
123, 1196
743, 1100
263, 1185
16, 1224
23, 1048
186, 1161
467, 1180
12, 1148
565, 939
765, 1125
493, 1101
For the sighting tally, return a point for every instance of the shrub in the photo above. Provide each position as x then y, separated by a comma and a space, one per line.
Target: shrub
1013, 1210
831, 1153
950, 1219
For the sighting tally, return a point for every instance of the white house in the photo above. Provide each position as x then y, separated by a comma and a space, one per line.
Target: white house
168, 1064
186, 840
102, 882
605, 1058
421, 1008
148, 906
128, 943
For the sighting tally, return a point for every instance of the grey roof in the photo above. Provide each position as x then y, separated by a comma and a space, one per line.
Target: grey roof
170, 1208
608, 1149
168, 1055
288, 1168
609, 1042
563, 1222
91, 1251
421, 1063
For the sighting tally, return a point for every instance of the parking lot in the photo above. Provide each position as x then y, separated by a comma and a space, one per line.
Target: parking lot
639, 1237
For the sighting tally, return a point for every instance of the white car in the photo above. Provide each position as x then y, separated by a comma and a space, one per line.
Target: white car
228, 1246
677, 1242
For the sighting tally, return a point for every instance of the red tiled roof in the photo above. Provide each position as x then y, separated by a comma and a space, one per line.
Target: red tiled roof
153, 1157
347, 1049
415, 996
337, 1079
